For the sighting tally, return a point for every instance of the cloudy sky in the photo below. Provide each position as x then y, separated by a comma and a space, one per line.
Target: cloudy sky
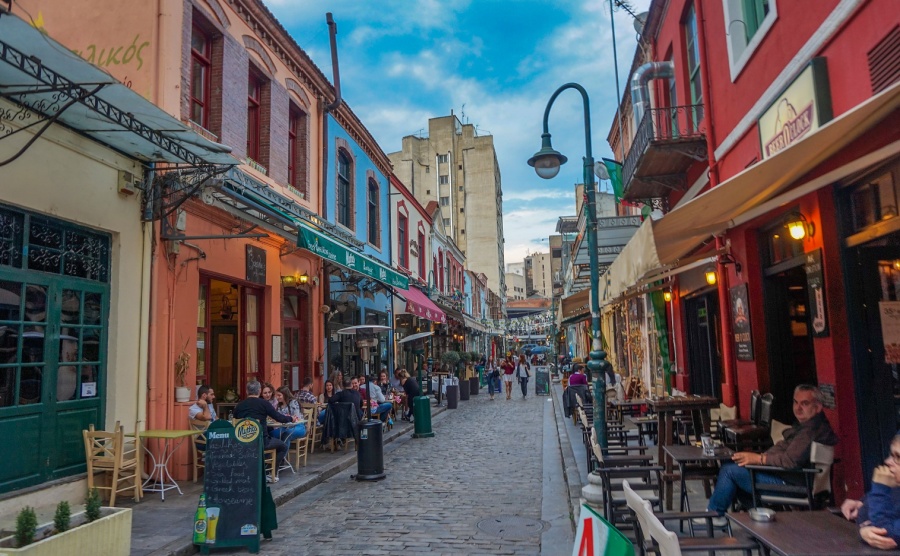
495, 63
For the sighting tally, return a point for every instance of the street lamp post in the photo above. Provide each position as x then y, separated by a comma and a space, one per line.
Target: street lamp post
546, 163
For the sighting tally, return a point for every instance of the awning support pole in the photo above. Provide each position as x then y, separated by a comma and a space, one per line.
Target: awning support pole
729, 389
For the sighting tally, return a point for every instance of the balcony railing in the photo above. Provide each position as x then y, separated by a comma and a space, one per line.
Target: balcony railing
674, 123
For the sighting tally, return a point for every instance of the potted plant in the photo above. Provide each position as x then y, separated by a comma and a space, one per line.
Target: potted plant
465, 358
109, 532
182, 393
450, 358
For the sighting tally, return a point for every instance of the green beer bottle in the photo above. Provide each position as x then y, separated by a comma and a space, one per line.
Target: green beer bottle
200, 522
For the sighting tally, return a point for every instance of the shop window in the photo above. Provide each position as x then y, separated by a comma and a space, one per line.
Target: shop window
345, 190
374, 213
874, 200
201, 71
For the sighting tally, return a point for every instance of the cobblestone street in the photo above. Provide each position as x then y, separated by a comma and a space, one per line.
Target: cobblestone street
485, 463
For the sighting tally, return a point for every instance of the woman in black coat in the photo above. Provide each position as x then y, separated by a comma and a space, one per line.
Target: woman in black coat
411, 389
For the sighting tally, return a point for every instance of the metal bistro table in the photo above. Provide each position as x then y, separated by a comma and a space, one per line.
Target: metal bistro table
159, 475
630, 407
665, 408
694, 464
817, 533
647, 427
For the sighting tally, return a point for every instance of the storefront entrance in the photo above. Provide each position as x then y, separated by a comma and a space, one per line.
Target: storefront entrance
295, 338
229, 317
704, 351
791, 356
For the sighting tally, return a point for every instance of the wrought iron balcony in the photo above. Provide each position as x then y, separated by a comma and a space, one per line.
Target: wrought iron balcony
667, 142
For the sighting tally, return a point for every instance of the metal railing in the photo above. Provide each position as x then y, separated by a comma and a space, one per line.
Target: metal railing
661, 124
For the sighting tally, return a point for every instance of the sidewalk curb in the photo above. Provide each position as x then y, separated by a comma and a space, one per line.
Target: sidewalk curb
570, 468
185, 547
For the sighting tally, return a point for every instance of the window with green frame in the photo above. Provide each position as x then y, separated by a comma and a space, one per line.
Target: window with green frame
754, 12
692, 54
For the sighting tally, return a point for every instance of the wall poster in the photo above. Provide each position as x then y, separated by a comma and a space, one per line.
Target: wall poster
890, 330
815, 283
740, 323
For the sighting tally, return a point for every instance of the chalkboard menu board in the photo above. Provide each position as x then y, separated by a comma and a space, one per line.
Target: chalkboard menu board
815, 283
256, 265
233, 484
541, 380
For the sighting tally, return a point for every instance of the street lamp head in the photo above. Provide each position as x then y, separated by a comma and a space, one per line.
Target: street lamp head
546, 162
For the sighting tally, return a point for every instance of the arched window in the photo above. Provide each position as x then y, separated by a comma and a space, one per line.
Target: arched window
373, 213
421, 242
403, 240
344, 190
440, 277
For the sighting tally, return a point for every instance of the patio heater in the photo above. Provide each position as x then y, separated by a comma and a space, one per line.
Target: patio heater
370, 455
421, 404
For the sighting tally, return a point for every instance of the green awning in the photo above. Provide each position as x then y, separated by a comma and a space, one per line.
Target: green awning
319, 244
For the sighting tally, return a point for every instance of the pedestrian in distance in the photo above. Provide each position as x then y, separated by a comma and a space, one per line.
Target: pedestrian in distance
508, 368
493, 373
411, 390
523, 373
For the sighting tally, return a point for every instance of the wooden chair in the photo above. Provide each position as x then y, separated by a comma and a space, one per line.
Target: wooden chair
299, 447
652, 535
196, 443
814, 488
106, 451
313, 428
269, 463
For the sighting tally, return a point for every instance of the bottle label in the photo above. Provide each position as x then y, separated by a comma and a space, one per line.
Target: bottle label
200, 526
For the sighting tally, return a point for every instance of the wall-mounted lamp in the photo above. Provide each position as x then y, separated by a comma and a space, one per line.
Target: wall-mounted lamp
297, 279
798, 226
303, 278
710, 274
667, 295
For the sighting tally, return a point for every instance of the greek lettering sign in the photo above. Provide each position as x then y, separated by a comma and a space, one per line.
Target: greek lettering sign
325, 247
740, 323
233, 484
815, 283
803, 107
256, 265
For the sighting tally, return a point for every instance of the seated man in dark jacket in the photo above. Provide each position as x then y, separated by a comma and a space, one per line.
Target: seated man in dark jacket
348, 394
791, 453
257, 408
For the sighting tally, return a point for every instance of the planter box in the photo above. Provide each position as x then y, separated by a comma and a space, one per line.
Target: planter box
109, 535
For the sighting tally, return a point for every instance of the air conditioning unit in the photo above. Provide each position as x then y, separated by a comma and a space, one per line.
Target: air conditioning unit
128, 183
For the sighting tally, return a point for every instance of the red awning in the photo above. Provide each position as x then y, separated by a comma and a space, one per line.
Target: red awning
418, 304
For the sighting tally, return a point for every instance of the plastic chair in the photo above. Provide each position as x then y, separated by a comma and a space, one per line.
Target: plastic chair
106, 451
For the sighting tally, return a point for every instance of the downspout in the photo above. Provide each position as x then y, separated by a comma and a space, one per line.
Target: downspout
640, 93
332, 32
144, 324
707, 96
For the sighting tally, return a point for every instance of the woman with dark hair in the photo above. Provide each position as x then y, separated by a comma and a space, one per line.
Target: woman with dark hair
268, 393
324, 398
508, 368
492, 373
522, 373
287, 405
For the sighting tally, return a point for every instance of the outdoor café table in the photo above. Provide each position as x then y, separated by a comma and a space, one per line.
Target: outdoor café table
159, 475
686, 455
646, 427
665, 408
626, 407
817, 533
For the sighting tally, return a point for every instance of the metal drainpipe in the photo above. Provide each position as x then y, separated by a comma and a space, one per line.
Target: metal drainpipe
704, 73
729, 396
332, 31
640, 95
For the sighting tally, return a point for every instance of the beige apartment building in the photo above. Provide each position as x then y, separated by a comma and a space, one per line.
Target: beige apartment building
457, 168
515, 286
541, 274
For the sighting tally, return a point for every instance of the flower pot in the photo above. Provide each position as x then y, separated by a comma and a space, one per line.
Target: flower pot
111, 534
182, 394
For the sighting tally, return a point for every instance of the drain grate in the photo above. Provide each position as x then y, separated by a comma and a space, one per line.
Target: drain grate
511, 526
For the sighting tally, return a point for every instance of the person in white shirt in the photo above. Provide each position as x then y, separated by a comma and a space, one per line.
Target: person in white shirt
203, 409
383, 410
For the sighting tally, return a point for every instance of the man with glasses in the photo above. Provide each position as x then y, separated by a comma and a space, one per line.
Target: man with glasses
791, 453
884, 496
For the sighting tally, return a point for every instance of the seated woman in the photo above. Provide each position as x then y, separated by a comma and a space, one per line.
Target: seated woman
324, 398
878, 516
287, 405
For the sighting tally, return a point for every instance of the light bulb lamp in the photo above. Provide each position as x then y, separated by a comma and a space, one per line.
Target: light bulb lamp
710, 275
667, 296
798, 226
546, 163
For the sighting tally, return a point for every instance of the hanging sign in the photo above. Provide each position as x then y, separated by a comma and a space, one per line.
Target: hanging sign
740, 323
815, 283
256, 264
890, 330
233, 484
329, 249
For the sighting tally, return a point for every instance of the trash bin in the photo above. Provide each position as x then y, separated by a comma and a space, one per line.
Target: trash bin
463, 389
452, 392
473, 386
370, 455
